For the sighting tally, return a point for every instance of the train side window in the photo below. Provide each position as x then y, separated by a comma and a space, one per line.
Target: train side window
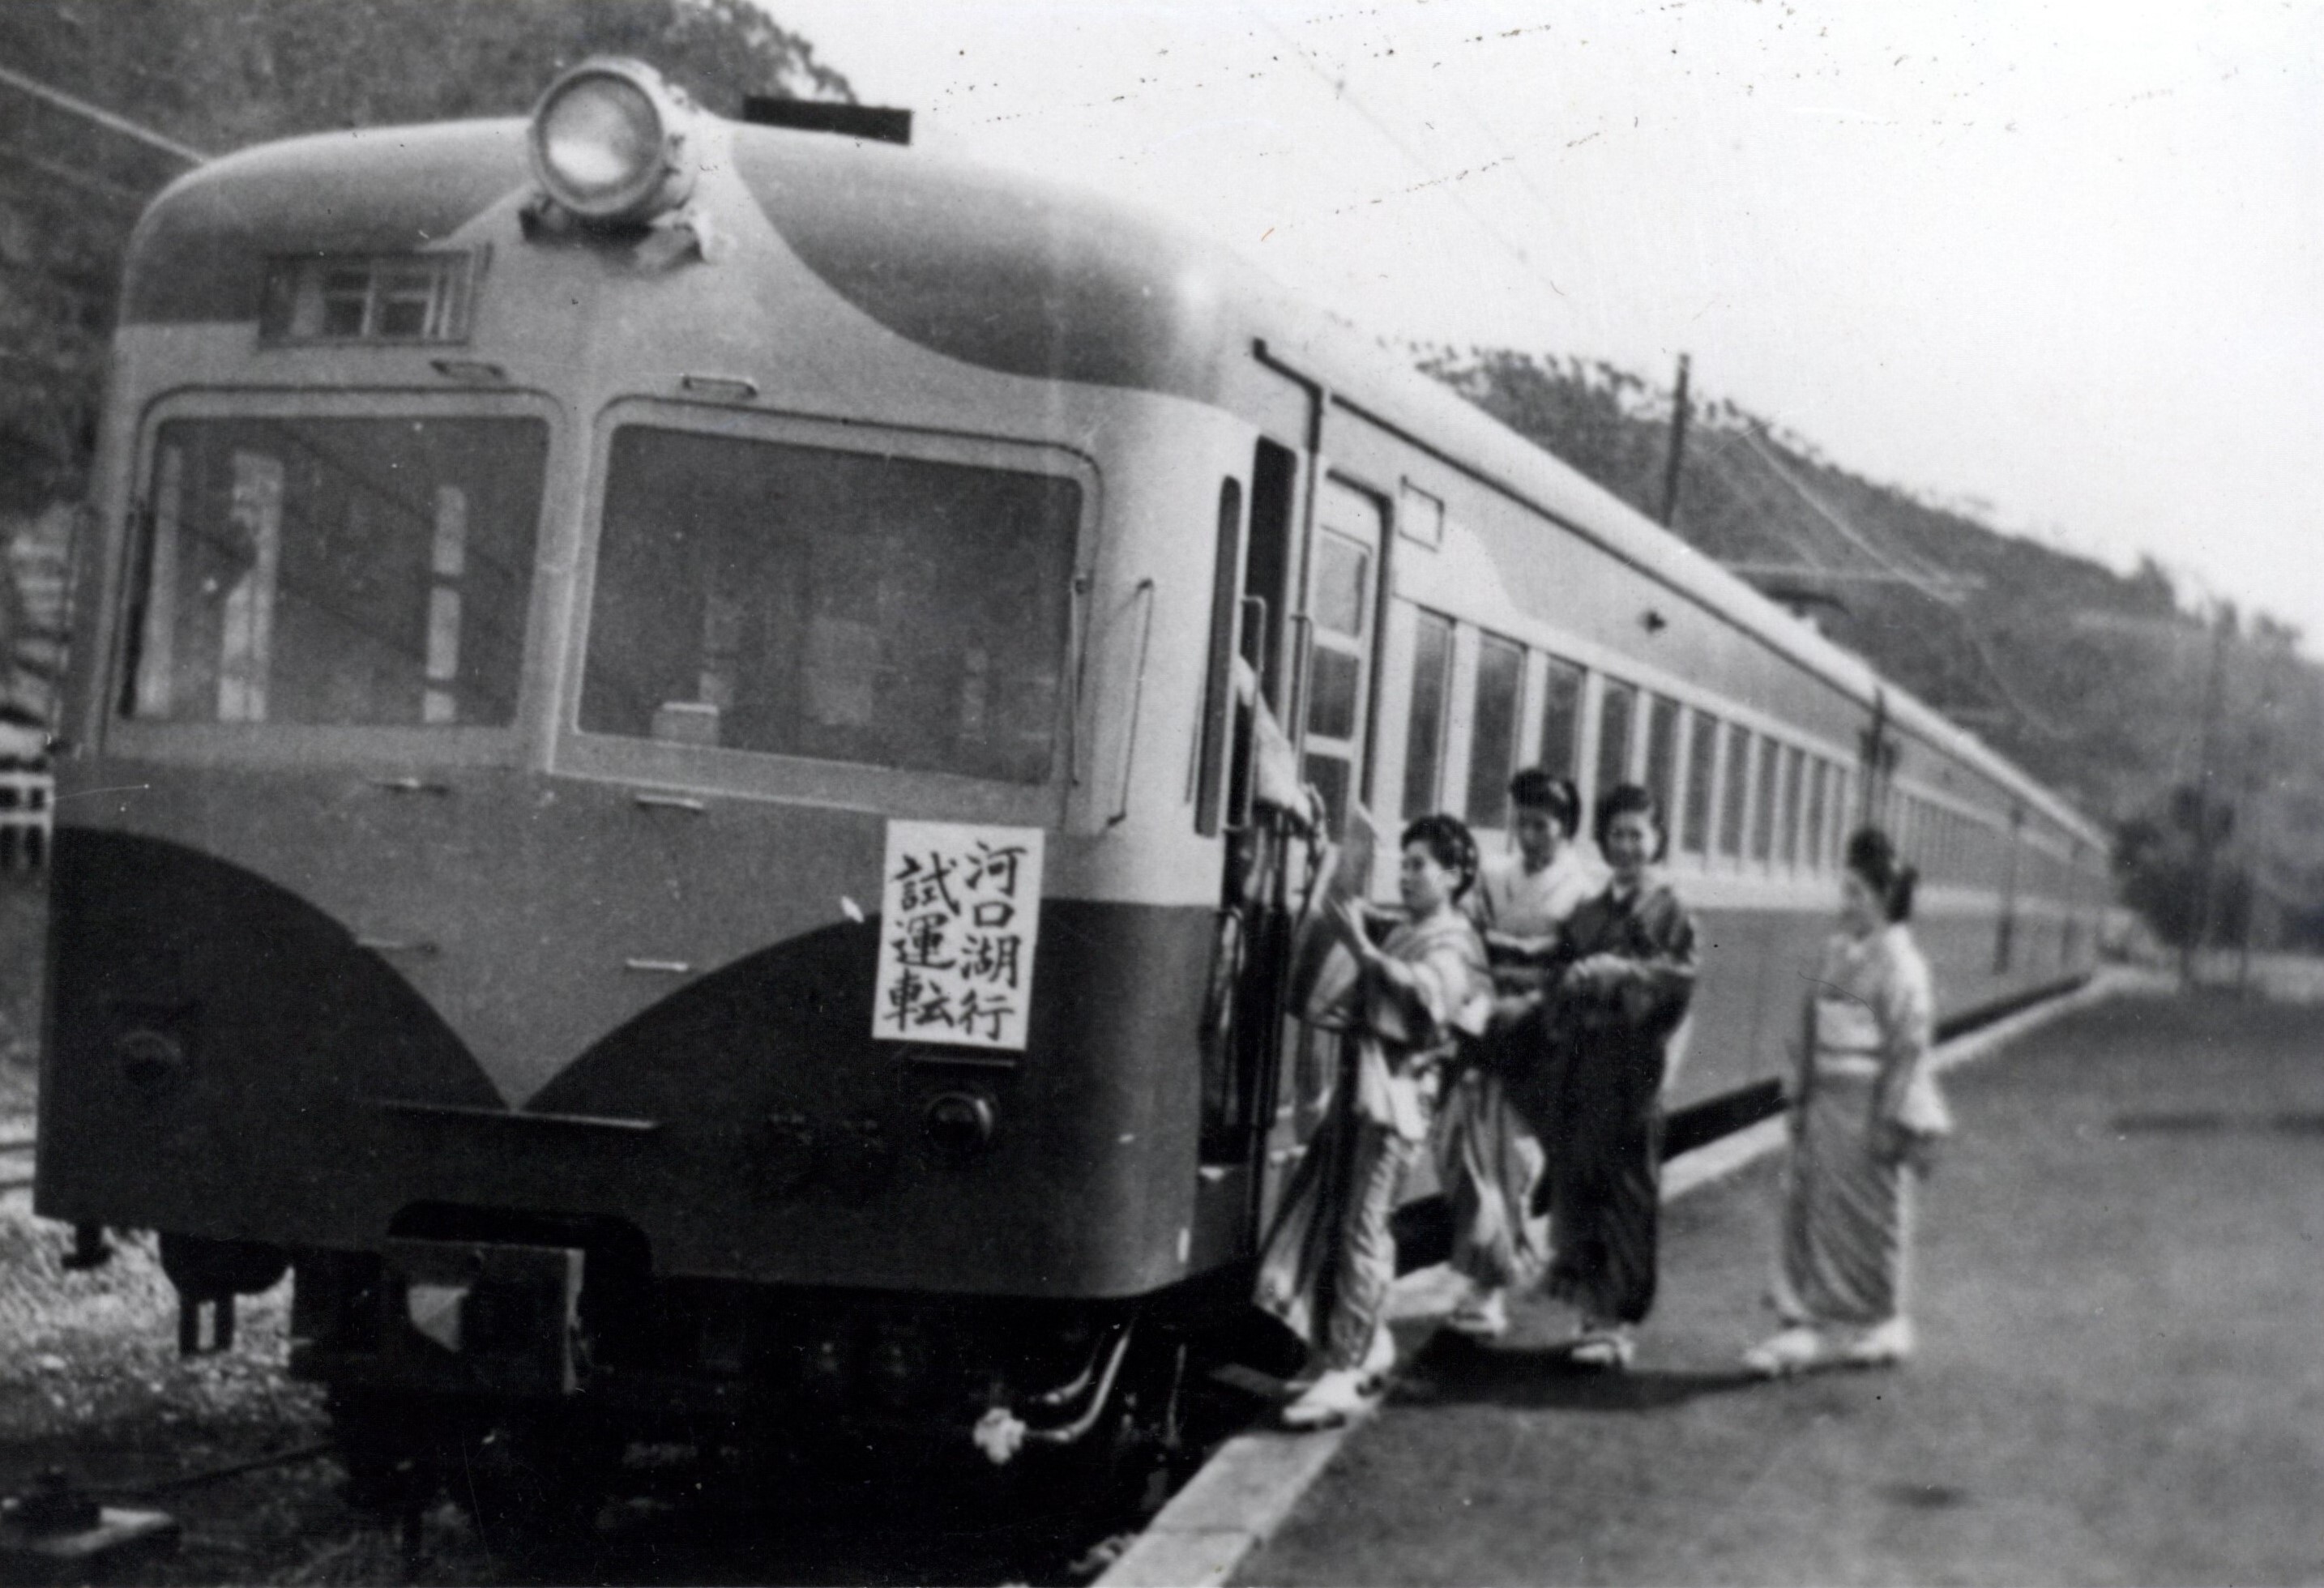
1560, 718
1816, 813
1424, 743
1737, 790
1763, 825
1789, 820
1343, 580
1661, 752
1617, 710
1341, 607
1274, 481
1493, 733
1702, 785
337, 572
854, 607
1218, 680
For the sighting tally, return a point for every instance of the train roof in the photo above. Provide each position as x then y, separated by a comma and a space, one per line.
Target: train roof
995, 268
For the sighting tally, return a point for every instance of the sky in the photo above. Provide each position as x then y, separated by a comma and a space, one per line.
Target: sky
2060, 261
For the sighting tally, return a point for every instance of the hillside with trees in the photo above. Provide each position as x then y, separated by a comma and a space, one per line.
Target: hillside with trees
156, 85
2107, 686
211, 76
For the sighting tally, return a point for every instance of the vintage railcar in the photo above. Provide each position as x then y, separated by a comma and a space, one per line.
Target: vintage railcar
653, 796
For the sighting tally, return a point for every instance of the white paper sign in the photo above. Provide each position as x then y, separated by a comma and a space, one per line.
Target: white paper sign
960, 915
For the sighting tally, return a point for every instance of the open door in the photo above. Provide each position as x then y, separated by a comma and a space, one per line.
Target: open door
1335, 664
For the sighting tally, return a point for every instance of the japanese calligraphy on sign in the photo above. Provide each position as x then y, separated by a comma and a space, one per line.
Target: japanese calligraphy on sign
959, 916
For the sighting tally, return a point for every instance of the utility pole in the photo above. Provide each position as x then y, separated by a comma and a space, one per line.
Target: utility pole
2259, 746
1677, 448
2200, 927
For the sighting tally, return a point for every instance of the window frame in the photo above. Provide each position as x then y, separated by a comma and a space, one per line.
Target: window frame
1766, 804
1556, 665
1792, 788
1494, 786
1603, 779
1659, 708
280, 744
1434, 799
1738, 761
1702, 772
797, 778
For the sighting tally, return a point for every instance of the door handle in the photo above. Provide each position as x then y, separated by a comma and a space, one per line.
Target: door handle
1303, 656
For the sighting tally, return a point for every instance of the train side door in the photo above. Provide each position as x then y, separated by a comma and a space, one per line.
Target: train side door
1334, 654
1338, 628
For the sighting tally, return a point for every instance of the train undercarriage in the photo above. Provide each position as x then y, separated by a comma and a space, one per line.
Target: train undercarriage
533, 1367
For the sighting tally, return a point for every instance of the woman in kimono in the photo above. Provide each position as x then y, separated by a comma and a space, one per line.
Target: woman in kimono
1628, 962
1415, 991
1865, 1115
1488, 1157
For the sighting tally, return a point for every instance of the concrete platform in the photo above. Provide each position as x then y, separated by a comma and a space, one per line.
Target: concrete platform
2118, 1286
1251, 1485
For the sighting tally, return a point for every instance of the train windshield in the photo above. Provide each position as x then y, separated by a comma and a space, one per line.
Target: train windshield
352, 572
845, 606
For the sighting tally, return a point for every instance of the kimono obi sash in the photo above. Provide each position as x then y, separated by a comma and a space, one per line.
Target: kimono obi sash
1848, 1036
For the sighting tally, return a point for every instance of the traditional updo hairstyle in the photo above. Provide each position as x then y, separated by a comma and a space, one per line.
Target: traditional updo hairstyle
1535, 789
1873, 857
1628, 799
1449, 844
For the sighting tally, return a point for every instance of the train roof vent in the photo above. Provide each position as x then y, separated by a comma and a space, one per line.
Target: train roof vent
823, 116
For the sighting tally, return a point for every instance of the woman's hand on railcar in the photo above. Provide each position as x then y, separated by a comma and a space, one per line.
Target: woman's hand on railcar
1352, 924
1898, 1144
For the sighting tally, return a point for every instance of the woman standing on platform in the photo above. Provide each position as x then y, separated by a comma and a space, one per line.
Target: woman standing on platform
1489, 1157
1865, 1115
1629, 966
1415, 991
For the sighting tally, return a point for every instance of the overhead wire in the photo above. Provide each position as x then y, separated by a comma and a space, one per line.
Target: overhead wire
1343, 94
1944, 593
60, 100
1931, 584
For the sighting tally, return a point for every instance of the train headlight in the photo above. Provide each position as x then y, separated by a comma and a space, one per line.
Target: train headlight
151, 1061
959, 1125
609, 141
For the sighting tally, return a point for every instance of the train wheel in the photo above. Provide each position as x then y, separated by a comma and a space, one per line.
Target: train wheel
389, 1448
534, 1484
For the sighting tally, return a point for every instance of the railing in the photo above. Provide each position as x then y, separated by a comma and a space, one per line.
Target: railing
26, 796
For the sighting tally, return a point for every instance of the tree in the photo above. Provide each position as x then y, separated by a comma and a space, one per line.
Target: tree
217, 75
2094, 682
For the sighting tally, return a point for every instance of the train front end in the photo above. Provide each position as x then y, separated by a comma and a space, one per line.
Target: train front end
630, 752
